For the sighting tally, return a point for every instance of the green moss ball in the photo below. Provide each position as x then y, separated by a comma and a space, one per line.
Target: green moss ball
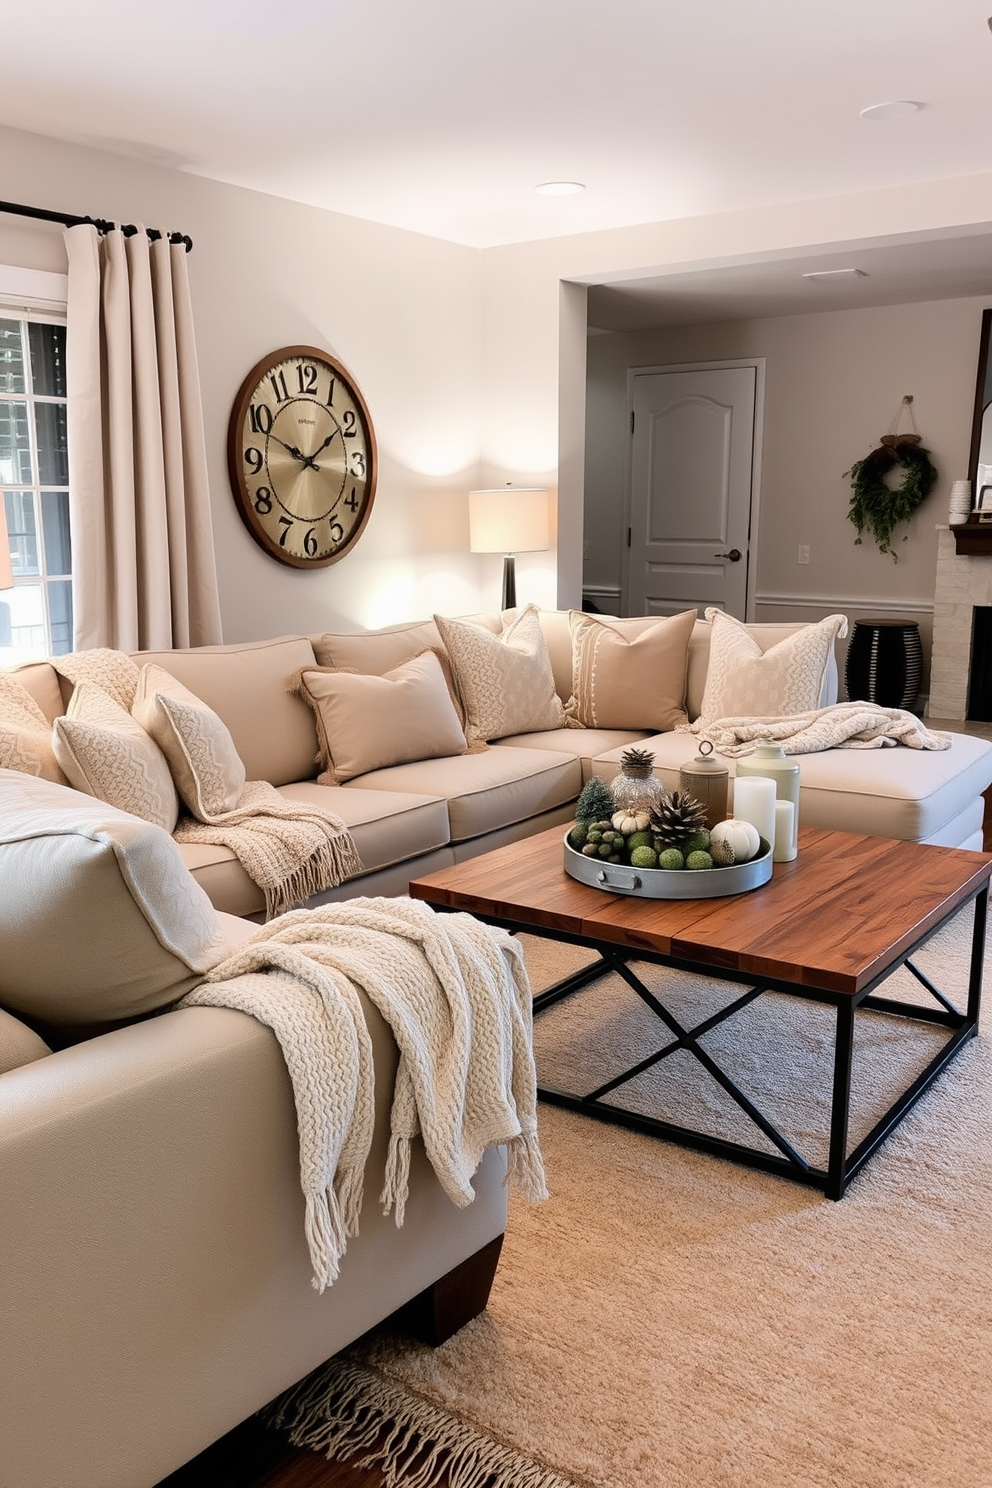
644, 857
578, 834
638, 839
699, 860
671, 858
698, 842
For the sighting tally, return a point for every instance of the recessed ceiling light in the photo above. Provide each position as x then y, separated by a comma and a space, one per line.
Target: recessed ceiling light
898, 108
830, 276
560, 188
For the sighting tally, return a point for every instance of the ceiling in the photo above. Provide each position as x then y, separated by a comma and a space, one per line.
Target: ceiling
442, 116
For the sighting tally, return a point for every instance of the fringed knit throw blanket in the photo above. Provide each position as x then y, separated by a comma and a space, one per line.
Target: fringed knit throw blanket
288, 849
843, 726
456, 995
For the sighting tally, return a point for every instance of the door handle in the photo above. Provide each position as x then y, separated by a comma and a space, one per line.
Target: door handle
734, 555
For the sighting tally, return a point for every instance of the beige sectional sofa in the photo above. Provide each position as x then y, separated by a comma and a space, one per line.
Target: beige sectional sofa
155, 1281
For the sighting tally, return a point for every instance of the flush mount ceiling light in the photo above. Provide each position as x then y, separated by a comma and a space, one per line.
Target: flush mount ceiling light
898, 108
559, 188
832, 276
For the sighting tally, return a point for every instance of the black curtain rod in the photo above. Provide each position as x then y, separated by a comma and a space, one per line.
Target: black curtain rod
100, 223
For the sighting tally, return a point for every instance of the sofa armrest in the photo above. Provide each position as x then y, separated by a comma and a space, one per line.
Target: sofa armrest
154, 1276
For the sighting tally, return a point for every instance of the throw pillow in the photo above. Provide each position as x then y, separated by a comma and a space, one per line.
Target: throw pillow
196, 742
106, 753
25, 733
100, 919
629, 674
742, 681
368, 722
505, 682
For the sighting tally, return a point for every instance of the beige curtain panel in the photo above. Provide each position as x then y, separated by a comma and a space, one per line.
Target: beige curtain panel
144, 574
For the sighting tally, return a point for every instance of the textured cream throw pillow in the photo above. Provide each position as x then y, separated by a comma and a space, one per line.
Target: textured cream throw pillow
25, 733
368, 722
742, 681
197, 743
629, 674
505, 682
106, 753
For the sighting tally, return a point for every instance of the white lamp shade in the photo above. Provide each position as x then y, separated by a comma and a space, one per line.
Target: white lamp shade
6, 573
508, 520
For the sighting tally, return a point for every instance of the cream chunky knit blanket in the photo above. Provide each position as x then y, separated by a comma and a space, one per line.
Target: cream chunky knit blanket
289, 850
842, 726
456, 996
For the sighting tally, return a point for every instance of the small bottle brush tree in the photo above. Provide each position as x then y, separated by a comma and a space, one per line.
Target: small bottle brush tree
595, 802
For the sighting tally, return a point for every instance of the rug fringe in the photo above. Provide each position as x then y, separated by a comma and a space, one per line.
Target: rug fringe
345, 1409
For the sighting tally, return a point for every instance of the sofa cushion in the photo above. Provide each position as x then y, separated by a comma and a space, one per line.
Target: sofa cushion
41, 680
195, 740
378, 651
245, 684
106, 753
19, 1044
367, 722
99, 919
629, 674
25, 733
745, 680
387, 827
910, 794
505, 682
585, 744
489, 790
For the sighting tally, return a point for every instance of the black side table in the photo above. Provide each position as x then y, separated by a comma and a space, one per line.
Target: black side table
885, 662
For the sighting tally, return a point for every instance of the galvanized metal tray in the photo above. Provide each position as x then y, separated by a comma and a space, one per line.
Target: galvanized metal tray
669, 883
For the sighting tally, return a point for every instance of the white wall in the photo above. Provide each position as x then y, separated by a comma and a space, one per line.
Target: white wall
401, 311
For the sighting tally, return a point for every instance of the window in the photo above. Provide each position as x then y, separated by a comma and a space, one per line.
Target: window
36, 615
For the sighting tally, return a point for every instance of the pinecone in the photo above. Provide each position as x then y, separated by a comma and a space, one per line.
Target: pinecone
676, 818
635, 787
637, 763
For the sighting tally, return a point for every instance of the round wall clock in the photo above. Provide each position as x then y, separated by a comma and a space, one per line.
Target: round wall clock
302, 457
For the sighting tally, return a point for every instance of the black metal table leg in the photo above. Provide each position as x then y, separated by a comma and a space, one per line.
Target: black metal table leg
841, 1100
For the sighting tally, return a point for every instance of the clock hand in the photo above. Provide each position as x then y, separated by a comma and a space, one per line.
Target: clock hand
320, 448
296, 454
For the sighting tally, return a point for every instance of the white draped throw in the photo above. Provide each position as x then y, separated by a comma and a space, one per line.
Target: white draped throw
144, 575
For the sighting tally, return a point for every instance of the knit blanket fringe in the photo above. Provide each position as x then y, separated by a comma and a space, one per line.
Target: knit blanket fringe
456, 997
349, 1412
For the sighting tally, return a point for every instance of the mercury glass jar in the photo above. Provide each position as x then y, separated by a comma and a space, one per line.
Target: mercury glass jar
635, 787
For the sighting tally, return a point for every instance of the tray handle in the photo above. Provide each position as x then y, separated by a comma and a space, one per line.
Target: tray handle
620, 880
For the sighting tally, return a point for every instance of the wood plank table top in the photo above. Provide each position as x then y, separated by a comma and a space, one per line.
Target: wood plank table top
834, 919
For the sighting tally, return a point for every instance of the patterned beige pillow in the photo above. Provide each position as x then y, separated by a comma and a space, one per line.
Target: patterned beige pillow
505, 682
629, 674
25, 733
205, 765
106, 753
743, 681
368, 722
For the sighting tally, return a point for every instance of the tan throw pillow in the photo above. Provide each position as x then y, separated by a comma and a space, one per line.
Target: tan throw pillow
629, 674
505, 682
375, 651
25, 733
370, 722
106, 753
100, 919
742, 681
205, 765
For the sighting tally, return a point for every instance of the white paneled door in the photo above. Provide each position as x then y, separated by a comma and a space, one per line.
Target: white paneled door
693, 468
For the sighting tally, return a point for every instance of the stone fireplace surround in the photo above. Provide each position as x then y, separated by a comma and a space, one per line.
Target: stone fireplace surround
963, 584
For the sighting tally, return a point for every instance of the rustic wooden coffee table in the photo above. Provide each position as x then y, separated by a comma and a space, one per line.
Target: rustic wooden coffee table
830, 927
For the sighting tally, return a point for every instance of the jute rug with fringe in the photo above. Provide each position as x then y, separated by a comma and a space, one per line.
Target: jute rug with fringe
672, 1320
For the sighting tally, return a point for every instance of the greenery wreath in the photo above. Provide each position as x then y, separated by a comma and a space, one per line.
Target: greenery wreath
876, 507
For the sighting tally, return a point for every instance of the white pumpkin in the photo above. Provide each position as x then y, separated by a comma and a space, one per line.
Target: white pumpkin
741, 837
631, 821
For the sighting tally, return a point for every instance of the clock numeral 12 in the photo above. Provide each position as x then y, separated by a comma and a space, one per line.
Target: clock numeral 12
306, 376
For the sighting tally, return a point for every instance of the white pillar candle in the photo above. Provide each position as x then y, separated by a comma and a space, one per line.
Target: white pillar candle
754, 802
785, 832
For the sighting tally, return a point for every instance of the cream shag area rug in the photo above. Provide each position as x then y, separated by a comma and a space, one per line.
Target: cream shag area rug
672, 1320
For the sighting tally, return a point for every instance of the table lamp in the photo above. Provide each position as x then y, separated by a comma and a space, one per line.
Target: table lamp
509, 520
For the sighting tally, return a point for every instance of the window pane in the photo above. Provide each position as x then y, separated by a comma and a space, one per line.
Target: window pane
55, 526
26, 616
11, 357
47, 358
53, 454
60, 616
22, 530
15, 446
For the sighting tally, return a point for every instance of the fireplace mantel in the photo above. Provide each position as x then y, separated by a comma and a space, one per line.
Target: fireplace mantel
973, 539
